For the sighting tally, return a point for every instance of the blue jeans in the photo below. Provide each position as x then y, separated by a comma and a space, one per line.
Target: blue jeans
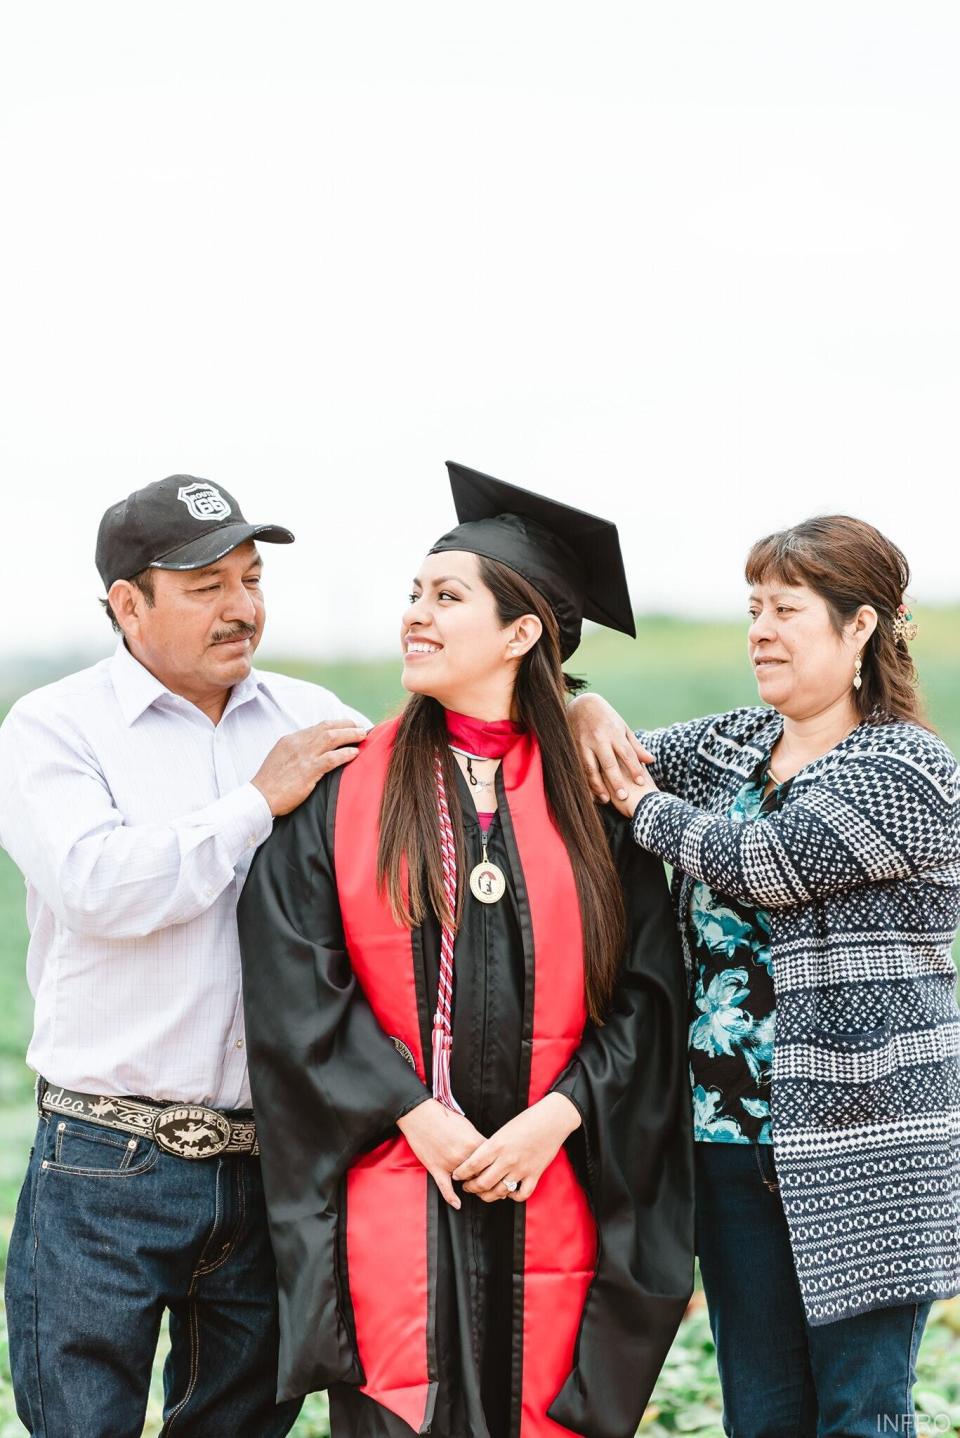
781, 1377
111, 1231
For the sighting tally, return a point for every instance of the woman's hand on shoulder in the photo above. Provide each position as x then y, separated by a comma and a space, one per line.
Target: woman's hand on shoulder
611, 753
441, 1139
519, 1151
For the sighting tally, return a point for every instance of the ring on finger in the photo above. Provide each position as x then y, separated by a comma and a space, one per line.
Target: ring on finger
510, 1184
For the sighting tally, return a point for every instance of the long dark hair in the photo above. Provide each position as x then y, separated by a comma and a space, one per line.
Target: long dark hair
848, 563
408, 812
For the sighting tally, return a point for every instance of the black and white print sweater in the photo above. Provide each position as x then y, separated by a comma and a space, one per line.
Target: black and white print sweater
860, 872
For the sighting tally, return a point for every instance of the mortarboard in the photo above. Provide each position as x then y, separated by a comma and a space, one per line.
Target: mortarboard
570, 557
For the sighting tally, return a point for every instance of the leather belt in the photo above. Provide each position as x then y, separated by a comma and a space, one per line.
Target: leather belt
185, 1129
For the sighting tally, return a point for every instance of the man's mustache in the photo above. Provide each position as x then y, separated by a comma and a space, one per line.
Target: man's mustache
240, 631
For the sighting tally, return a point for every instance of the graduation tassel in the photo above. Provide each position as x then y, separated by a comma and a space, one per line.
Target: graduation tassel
442, 1026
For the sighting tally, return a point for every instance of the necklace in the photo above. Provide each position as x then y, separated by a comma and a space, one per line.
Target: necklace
808, 762
471, 760
467, 737
480, 758
487, 881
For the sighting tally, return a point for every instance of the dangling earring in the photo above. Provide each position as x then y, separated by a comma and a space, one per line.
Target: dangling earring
857, 679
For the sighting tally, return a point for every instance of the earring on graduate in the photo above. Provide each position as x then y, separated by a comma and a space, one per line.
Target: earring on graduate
857, 678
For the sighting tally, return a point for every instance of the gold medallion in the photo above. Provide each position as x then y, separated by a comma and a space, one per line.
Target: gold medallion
487, 882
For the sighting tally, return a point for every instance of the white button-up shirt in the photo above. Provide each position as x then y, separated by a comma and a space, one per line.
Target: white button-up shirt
133, 819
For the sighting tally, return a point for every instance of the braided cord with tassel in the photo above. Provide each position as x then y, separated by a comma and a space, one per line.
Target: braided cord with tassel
442, 1025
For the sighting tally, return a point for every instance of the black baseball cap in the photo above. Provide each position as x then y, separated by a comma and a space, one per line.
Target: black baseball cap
180, 522
570, 557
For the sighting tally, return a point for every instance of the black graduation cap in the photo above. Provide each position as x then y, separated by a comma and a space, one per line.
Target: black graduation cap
572, 558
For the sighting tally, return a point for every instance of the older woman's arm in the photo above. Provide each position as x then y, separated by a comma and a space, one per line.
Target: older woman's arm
891, 812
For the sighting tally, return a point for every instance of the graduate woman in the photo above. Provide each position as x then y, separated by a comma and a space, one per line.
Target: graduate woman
465, 1017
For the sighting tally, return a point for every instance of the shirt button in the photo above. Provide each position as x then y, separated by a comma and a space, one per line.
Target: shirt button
239, 1043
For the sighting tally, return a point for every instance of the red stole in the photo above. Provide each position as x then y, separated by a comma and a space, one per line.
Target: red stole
389, 1260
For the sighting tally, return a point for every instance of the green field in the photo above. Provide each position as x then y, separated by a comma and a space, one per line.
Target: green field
677, 669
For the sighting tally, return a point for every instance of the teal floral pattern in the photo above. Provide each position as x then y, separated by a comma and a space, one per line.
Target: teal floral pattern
733, 1014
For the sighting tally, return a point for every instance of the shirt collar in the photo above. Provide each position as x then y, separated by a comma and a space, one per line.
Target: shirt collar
136, 688
247, 689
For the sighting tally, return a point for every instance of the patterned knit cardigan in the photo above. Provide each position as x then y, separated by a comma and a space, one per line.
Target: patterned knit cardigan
860, 871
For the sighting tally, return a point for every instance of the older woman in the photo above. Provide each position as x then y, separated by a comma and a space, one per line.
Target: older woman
816, 852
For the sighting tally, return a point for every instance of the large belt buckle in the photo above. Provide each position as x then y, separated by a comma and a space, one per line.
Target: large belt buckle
191, 1132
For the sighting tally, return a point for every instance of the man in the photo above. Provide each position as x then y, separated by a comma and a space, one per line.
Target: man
132, 797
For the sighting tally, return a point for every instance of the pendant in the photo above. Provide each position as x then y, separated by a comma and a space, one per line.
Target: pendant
487, 882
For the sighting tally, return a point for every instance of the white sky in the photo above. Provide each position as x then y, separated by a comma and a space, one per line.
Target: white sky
692, 265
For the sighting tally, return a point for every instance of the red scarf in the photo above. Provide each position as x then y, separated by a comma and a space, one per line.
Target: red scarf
488, 739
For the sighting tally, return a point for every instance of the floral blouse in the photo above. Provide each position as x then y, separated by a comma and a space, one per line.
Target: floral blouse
733, 1006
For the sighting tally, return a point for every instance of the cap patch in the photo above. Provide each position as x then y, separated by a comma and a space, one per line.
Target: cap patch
203, 501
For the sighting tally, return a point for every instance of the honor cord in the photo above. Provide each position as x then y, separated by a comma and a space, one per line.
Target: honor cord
442, 1026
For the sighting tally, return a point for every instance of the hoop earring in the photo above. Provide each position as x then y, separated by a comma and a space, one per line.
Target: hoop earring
857, 667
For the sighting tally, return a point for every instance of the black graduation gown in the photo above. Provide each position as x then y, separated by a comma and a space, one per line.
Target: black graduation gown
328, 1085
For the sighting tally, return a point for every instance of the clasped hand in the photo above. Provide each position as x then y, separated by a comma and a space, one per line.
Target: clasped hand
452, 1150
519, 1151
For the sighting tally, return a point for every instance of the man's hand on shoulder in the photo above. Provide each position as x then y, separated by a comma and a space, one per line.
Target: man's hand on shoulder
297, 762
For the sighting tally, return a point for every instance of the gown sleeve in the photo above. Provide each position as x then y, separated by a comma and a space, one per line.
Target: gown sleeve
327, 1082
634, 1151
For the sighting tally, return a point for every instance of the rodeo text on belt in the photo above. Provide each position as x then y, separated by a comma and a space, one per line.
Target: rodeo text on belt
185, 1129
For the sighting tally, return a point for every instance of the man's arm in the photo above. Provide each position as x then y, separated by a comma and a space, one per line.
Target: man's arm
103, 877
